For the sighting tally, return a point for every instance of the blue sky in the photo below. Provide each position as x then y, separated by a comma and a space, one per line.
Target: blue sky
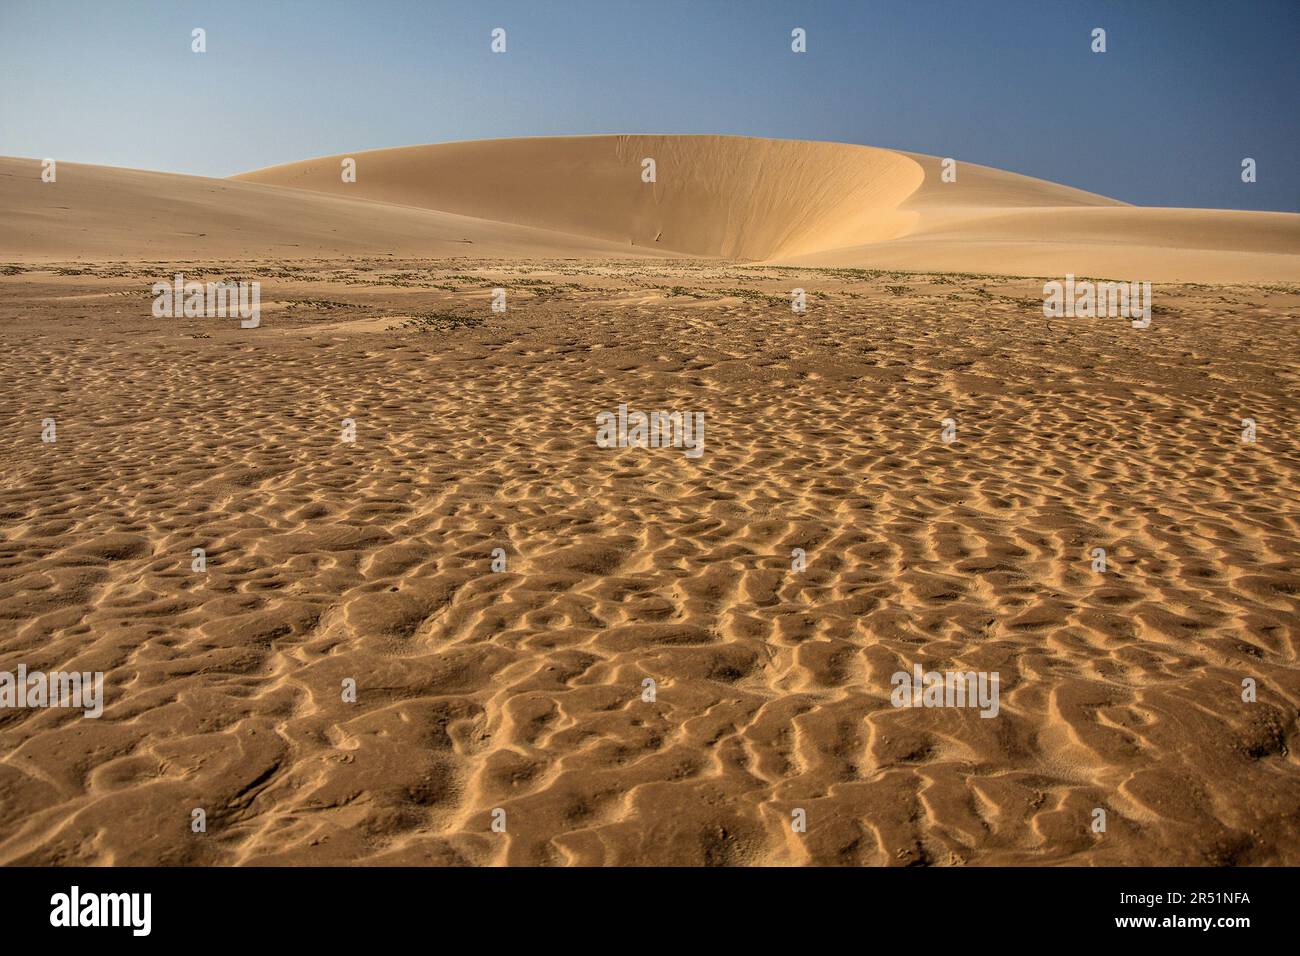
1164, 117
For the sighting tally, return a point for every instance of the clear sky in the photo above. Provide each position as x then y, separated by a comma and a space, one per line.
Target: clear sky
1185, 91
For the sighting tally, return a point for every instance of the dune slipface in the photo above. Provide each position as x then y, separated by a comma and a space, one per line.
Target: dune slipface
366, 584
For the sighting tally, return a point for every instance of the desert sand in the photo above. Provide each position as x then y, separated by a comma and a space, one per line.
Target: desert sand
522, 690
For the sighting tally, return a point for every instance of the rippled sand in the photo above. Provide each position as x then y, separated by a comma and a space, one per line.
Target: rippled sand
522, 690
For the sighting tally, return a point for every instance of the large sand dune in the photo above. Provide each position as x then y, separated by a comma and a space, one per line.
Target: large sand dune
812, 204
716, 196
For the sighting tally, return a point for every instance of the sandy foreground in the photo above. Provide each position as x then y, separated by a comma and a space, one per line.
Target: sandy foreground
522, 690
826, 539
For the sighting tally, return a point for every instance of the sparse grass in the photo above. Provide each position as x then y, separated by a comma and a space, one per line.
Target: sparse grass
322, 304
438, 320
753, 295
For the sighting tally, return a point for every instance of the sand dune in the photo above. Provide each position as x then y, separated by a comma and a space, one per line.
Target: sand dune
100, 212
778, 201
811, 204
717, 196
994, 229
